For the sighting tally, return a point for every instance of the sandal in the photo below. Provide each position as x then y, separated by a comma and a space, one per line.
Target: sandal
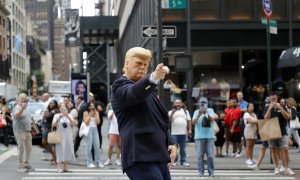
67, 171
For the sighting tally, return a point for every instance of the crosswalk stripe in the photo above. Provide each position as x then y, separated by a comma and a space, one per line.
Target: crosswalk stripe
177, 174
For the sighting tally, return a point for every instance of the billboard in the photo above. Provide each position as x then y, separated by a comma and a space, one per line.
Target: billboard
72, 28
79, 86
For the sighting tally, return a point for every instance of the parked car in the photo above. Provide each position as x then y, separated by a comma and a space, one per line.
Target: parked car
35, 109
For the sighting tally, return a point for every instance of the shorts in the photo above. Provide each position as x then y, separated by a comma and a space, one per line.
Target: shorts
250, 132
283, 142
235, 137
265, 144
114, 139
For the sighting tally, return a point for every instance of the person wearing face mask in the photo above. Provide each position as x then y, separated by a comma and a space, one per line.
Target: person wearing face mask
204, 136
65, 150
181, 126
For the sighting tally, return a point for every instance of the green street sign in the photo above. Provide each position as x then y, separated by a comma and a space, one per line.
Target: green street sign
173, 4
271, 22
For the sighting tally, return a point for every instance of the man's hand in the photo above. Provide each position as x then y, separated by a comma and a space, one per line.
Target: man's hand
172, 151
160, 72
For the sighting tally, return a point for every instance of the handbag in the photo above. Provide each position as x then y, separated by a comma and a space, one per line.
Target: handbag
264, 127
295, 124
84, 130
54, 137
216, 127
3, 122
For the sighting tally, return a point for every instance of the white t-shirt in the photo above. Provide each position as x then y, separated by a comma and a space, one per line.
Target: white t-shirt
113, 128
179, 122
246, 116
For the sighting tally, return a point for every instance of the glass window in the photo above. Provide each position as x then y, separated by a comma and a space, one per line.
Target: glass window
173, 14
238, 9
296, 9
205, 9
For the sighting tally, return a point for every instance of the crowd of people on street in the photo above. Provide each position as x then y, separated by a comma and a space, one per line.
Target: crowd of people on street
148, 138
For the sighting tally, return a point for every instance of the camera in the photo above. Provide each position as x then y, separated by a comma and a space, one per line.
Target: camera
65, 125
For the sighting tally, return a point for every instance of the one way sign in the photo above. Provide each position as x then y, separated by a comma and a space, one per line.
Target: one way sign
151, 31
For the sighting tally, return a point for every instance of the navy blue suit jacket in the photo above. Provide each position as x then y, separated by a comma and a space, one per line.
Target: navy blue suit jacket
143, 122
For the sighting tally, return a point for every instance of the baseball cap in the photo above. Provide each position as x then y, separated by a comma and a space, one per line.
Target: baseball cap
203, 100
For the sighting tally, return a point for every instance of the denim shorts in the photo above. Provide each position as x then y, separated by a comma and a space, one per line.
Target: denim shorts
283, 142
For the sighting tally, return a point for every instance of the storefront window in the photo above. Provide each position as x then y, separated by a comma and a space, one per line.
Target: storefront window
239, 9
205, 9
216, 76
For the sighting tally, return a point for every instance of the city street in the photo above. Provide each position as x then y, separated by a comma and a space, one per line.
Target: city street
226, 168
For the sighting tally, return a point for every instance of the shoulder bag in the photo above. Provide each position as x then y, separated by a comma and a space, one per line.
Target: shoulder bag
84, 129
54, 137
295, 124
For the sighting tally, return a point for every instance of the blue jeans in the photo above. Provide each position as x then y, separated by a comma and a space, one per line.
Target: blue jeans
181, 141
92, 140
205, 146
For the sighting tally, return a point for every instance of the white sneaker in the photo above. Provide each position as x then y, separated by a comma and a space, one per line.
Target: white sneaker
249, 162
254, 167
91, 165
185, 164
237, 155
118, 162
289, 171
22, 170
276, 171
107, 162
233, 154
281, 170
174, 164
100, 165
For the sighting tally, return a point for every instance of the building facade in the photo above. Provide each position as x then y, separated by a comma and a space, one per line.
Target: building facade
222, 39
4, 32
19, 61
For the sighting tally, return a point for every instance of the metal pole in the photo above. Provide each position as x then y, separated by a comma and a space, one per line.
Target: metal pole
189, 73
269, 55
159, 49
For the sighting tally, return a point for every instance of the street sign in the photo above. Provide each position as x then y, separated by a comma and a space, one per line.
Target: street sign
271, 22
151, 31
173, 4
267, 7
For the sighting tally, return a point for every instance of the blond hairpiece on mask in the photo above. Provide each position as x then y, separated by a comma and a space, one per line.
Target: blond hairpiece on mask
137, 52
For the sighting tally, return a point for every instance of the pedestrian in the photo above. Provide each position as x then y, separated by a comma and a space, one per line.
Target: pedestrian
250, 121
181, 127
292, 109
91, 119
243, 107
147, 146
226, 118
235, 129
276, 110
204, 136
52, 109
22, 132
220, 136
81, 106
74, 112
114, 139
5, 115
62, 122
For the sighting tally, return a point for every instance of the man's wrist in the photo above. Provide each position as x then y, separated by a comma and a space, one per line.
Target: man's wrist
152, 80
